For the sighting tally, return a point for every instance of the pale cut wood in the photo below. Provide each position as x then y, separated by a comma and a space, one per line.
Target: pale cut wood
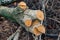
40, 15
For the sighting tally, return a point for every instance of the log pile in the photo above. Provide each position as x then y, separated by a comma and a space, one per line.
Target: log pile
52, 9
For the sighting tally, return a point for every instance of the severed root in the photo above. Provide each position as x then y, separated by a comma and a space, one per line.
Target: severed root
38, 29
28, 23
36, 32
41, 28
40, 15
22, 5
27, 20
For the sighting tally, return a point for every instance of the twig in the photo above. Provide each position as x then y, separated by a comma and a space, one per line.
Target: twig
54, 19
16, 35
